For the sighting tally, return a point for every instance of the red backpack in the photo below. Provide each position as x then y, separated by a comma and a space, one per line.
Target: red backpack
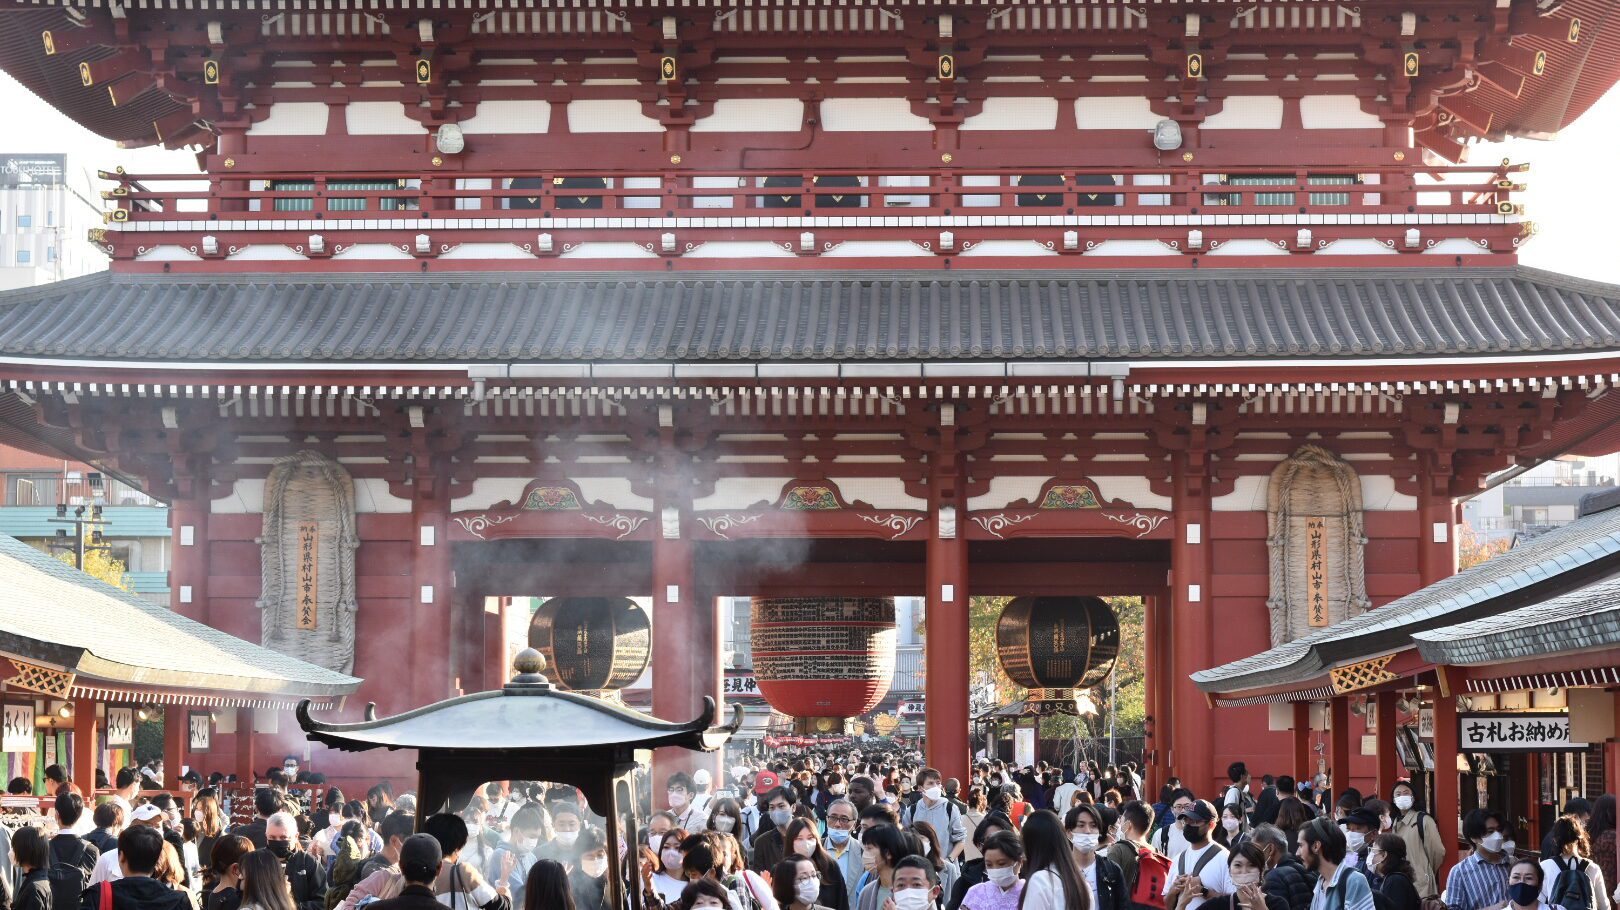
1152, 872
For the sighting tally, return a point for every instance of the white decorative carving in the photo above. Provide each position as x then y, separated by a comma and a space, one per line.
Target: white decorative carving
899, 524
1147, 524
946, 523
671, 520
625, 524
478, 524
1000, 521
720, 524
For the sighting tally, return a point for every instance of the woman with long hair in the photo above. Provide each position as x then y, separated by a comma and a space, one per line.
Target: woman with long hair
797, 884
1426, 849
225, 871
1234, 827
264, 883
882, 848
1088, 826
947, 871
663, 857
803, 841
1293, 815
1601, 830
546, 888
1569, 837
1387, 864
725, 816
205, 815
1053, 881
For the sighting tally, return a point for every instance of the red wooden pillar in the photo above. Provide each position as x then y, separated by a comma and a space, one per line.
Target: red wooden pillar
1189, 566
431, 600
1151, 778
85, 748
1302, 742
1437, 545
1339, 749
1388, 761
1447, 799
244, 745
188, 559
680, 648
176, 737
946, 581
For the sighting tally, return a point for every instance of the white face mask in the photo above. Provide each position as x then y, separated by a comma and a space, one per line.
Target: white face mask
724, 823
1002, 878
809, 890
677, 798
804, 847
1509, 847
1244, 879
1493, 842
567, 838
1230, 824
912, 899
927, 848
1353, 840
934, 794
1085, 843
672, 861
1403, 802
595, 868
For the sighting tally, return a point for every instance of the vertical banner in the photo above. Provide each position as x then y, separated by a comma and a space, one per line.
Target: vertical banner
201, 728
1316, 570
120, 726
17, 727
1024, 746
309, 538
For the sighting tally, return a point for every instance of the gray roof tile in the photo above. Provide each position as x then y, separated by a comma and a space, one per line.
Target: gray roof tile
798, 316
1458, 599
1587, 617
63, 617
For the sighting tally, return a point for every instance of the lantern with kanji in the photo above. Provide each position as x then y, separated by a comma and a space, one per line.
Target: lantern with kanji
592, 643
823, 659
1055, 645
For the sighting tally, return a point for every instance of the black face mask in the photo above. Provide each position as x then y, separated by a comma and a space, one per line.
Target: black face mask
1194, 833
282, 849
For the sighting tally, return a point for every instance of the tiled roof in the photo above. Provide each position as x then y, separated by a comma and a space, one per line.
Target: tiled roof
1550, 564
57, 615
1587, 617
1239, 314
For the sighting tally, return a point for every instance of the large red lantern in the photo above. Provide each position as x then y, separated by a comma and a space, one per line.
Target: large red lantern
823, 658
1057, 644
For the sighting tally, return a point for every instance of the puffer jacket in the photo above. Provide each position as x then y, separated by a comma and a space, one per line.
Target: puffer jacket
1291, 883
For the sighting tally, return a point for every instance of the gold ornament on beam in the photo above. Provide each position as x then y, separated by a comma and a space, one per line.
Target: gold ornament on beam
50, 42
85, 76
1195, 66
210, 72
667, 70
1539, 68
1574, 36
424, 71
1412, 64
947, 67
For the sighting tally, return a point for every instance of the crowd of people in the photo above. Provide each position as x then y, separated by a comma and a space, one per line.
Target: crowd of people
809, 831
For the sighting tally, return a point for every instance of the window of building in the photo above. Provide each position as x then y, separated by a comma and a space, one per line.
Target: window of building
337, 203
50, 217
25, 257
1284, 198
25, 221
50, 254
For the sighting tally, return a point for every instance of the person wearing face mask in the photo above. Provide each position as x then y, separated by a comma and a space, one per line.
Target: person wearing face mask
726, 817
588, 880
932, 807
1200, 869
1524, 886
770, 847
704, 894
667, 878
841, 843
916, 887
1425, 848
701, 799
1245, 866
1171, 839
517, 851
1360, 826
1088, 826
796, 884
1391, 874
305, 875
1480, 880
1001, 889
1053, 880
678, 793
803, 842
976, 872
883, 846
1285, 877
1233, 830
1338, 887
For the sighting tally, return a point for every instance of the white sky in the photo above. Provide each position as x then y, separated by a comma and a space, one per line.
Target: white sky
1579, 233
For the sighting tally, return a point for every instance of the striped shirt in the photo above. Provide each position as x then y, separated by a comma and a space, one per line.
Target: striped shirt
1476, 883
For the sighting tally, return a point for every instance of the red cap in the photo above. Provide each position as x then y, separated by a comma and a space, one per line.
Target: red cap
765, 782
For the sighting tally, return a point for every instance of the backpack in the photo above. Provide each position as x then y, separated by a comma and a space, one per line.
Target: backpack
67, 876
1380, 902
1572, 890
1152, 872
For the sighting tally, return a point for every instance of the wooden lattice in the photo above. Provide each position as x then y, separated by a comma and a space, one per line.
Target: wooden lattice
1364, 675
44, 680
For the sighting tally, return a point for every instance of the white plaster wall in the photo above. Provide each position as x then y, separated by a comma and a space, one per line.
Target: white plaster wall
884, 115
1003, 490
741, 492
880, 492
1335, 112
1133, 488
1108, 113
380, 118
371, 495
753, 115
1248, 112
1014, 114
610, 116
293, 118
487, 491
517, 116
1248, 495
247, 497
615, 491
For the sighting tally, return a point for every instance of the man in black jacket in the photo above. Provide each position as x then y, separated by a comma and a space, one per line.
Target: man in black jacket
1287, 879
70, 852
419, 862
138, 850
305, 874
109, 818
266, 802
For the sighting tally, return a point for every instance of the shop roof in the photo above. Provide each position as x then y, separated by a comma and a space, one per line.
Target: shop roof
56, 616
1240, 315
1555, 565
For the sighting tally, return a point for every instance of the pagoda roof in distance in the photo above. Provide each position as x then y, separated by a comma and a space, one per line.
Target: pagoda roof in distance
56, 616
528, 714
1242, 315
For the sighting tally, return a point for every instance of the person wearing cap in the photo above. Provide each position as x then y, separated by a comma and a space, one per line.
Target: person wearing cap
702, 799
420, 859
107, 868
1359, 824
1200, 871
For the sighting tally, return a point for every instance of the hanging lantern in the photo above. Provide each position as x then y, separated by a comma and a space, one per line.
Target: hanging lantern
823, 659
592, 643
1054, 645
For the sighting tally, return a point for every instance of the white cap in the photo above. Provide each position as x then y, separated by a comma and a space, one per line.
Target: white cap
146, 812
702, 776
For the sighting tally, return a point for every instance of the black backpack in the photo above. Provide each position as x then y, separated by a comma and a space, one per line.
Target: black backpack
1380, 901
1572, 890
67, 873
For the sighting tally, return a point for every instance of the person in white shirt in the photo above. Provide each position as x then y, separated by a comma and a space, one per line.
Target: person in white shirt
1200, 869
1054, 881
1569, 837
107, 868
1170, 840
702, 798
1064, 795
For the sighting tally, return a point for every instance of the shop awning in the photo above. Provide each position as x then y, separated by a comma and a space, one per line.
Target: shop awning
71, 635
1555, 567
